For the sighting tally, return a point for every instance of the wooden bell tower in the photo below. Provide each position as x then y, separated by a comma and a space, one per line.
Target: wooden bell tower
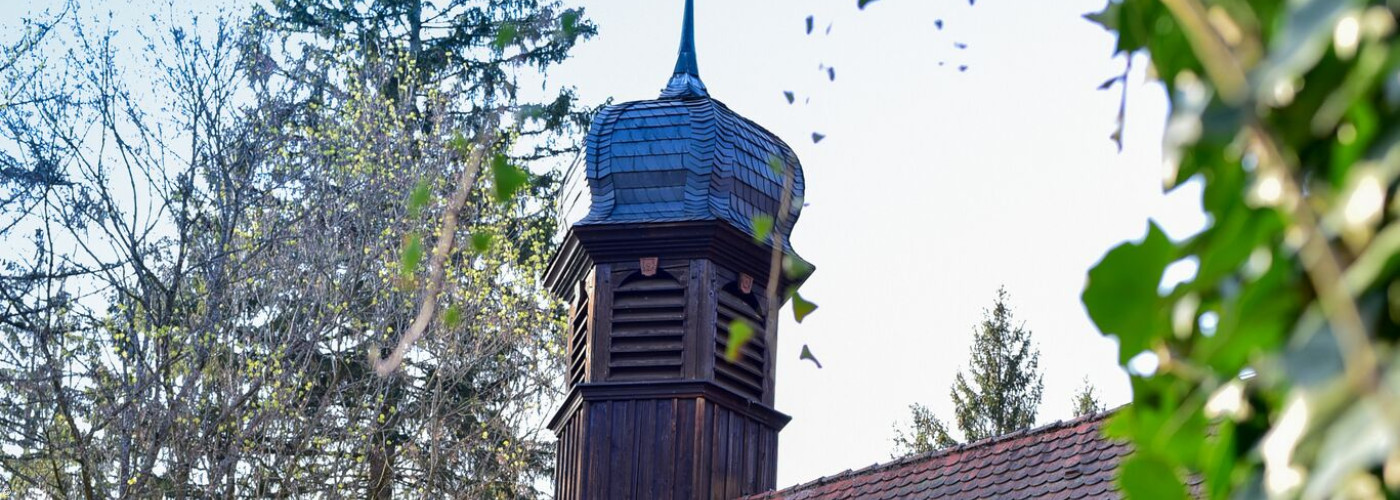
663, 263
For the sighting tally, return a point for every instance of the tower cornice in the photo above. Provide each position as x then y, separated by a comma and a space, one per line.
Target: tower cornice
587, 245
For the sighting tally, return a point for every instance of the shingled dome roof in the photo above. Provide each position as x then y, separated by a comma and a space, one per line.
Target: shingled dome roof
685, 157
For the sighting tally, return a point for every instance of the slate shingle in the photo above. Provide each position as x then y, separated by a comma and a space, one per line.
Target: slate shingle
682, 159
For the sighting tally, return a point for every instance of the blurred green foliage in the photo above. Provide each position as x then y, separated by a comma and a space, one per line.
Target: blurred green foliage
1272, 372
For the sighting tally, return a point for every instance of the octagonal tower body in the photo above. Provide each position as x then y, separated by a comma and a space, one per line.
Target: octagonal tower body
664, 260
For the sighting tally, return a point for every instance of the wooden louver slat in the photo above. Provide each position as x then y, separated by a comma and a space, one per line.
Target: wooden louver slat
578, 339
648, 328
746, 374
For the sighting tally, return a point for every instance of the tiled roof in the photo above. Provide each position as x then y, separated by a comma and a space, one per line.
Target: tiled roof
1063, 460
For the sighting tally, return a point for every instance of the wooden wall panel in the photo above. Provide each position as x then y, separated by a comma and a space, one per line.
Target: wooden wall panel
677, 448
655, 410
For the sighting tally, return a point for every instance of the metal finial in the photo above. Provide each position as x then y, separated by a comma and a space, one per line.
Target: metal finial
685, 61
685, 81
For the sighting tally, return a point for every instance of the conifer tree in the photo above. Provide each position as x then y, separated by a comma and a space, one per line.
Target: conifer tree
1001, 391
1086, 401
999, 394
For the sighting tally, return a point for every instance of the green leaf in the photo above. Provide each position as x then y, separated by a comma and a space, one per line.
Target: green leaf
1121, 293
420, 197
505, 35
411, 255
1144, 477
790, 96
809, 31
762, 227
796, 269
817, 137
452, 317
740, 332
481, 241
775, 164
807, 355
801, 307
1218, 458
863, 3
508, 178
1107, 18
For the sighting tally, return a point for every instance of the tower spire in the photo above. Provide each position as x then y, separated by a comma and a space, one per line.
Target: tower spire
685, 81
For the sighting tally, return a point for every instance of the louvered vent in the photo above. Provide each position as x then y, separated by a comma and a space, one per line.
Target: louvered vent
746, 374
648, 327
578, 337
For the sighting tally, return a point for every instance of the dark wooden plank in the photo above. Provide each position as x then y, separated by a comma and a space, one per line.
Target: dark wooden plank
751, 457
626, 317
595, 474
770, 361
650, 303
580, 474
719, 461
665, 451
704, 441
647, 362
568, 464
762, 481
645, 430
734, 465
687, 412
695, 310
621, 450
664, 331
648, 344
704, 318
602, 324
770, 463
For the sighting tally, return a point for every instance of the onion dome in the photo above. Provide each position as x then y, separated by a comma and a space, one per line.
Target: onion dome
685, 156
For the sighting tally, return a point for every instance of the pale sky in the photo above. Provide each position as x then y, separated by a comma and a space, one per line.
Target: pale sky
933, 187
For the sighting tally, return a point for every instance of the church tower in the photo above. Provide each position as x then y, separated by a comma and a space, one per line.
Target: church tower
664, 261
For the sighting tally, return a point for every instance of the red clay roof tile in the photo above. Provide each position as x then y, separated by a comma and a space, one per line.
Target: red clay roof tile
1069, 460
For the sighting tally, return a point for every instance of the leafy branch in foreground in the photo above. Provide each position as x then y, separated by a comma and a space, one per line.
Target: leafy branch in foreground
1273, 371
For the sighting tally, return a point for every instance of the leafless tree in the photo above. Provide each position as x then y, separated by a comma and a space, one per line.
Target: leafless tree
214, 235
